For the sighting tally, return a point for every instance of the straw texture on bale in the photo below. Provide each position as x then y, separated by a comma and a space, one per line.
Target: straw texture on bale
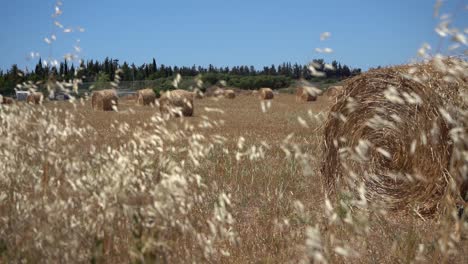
177, 103
7, 100
146, 97
265, 93
386, 133
35, 98
302, 94
229, 94
104, 100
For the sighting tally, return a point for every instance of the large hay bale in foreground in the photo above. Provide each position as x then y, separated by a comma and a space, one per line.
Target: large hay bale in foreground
104, 100
229, 94
177, 103
386, 131
35, 98
305, 94
265, 93
7, 100
146, 97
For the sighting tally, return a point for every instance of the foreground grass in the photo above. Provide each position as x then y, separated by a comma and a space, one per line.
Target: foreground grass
241, 186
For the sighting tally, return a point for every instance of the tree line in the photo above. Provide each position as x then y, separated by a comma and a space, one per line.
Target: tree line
246, 77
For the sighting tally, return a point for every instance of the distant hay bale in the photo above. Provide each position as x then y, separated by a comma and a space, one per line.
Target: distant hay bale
146, 97
104, 100
214, 91
333, 91
305, 94
177, 103
218, 92
229, 94
6, 100
35, 98
265, 93
386, 132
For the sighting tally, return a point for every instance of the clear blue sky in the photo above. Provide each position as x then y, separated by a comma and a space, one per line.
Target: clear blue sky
365, 33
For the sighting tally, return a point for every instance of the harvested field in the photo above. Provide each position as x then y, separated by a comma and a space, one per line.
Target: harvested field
258, 161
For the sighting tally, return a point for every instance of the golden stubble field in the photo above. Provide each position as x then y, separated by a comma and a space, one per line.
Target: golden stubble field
266, 162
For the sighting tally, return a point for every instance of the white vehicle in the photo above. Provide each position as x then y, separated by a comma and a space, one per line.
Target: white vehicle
22, 95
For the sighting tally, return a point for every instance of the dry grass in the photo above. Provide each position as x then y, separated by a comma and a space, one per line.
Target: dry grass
153, 189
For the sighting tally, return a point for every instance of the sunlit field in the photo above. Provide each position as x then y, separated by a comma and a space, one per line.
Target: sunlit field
239, 182
244, 132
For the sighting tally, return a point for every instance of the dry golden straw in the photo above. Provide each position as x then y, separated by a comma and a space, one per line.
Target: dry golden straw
386, 131
35, 98
104, 100
302, 94
146, 97
177, 103
265, 93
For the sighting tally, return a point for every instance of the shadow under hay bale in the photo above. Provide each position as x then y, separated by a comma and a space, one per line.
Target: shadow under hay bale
146, 97
386, 132
265, 93
303, 94
104, 100
230, 94
35, 98
176, 103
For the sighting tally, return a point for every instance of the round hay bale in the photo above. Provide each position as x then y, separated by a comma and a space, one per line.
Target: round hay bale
218, 92
229, 94
146, 97
104, 100
35, 98
386, 133
6, 100
305, 94
177, 103
265, 93
215, 91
